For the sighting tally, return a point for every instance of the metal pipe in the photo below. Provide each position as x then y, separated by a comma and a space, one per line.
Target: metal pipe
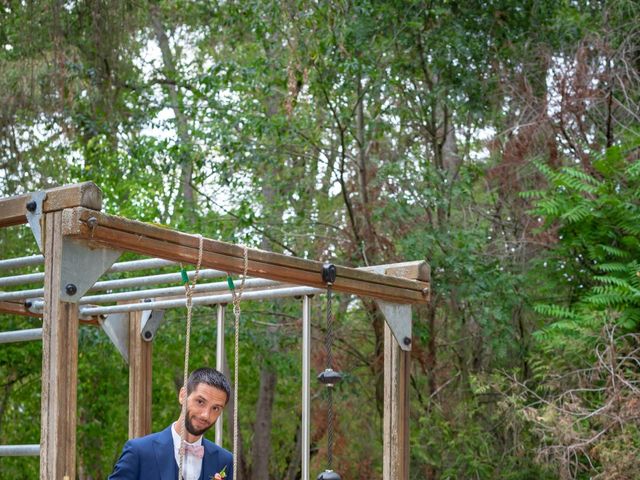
220, 363
208, 300
306, 384
120, 283
131, 266
21, 335
29, 261
21, 279
20, 450
170, 291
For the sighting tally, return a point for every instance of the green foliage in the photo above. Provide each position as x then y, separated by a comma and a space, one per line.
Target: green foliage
595, 215
354, 132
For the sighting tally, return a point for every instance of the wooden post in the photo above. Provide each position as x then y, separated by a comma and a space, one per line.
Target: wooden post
395, 460
59, 364
140, 368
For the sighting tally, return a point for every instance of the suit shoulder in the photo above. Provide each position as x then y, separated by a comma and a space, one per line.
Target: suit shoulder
224, 453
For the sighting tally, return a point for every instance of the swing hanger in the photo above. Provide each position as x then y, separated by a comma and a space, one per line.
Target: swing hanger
329, 273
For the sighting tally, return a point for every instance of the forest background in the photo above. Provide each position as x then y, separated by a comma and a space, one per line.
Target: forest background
498, 140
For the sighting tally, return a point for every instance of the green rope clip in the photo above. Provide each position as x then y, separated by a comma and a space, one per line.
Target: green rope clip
185, 277
230, 282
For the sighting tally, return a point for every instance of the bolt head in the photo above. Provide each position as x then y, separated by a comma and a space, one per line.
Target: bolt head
71, 289
32, 205
406, 341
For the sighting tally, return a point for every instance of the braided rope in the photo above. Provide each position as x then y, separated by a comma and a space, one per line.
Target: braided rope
189, 286
236, 296
328, 344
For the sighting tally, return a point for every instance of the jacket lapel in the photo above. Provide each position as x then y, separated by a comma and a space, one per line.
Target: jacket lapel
209, 461
165, 457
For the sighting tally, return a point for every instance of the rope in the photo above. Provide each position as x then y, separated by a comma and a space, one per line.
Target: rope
328, 344
188, 286
236, 296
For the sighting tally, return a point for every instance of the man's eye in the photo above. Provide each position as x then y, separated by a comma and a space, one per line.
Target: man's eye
200, 402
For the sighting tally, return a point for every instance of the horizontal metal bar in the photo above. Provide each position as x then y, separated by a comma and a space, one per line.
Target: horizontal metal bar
170, 291
208, 300
21, 335
120, 283
132, 266
20, 450
18, 262
21, 279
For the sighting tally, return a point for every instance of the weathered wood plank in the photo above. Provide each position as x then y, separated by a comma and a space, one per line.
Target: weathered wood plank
13, 210
169, 244
395, 456
59, 364
140, 374
17, 308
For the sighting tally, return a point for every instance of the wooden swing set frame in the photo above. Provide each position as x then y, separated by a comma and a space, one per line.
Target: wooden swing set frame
74, 212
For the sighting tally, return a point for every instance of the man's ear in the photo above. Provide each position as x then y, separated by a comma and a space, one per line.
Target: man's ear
182, 395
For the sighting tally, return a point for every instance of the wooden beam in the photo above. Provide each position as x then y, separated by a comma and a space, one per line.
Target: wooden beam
165, 243
59, 364
140, 371
13, 210
395, 457
17, 308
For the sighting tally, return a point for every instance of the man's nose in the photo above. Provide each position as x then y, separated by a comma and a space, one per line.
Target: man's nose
206, 414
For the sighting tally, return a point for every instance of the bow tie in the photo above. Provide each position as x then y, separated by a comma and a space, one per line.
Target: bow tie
195, 450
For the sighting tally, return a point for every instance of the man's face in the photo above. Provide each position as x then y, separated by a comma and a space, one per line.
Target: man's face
204, 406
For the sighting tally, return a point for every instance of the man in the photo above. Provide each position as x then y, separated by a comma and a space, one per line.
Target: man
157, 456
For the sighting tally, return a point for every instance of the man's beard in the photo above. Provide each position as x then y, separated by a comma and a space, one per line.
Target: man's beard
191, 427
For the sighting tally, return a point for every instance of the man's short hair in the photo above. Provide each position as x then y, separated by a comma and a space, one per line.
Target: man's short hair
211, 377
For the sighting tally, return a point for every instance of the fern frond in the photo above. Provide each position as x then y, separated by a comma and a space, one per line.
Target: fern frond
577, 213
611, 280
555, 311
614, 251
613, 267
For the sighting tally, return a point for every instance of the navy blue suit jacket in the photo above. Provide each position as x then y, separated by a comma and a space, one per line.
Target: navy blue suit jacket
152, 458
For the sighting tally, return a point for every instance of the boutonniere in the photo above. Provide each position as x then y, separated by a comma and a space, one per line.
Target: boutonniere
220, 475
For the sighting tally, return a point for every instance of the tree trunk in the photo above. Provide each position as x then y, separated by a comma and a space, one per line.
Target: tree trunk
261, 448
176, 102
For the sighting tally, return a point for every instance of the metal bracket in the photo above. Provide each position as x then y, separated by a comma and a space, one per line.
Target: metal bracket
116, 326
150, 322
34, 215
81, 266
398, 317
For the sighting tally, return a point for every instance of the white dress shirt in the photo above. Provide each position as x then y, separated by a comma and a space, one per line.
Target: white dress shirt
191, 465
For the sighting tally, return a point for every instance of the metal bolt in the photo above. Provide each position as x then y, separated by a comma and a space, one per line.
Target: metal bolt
425, 291
407, 341
148, 335
71, 289
92, 222
28, 304
32, 205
